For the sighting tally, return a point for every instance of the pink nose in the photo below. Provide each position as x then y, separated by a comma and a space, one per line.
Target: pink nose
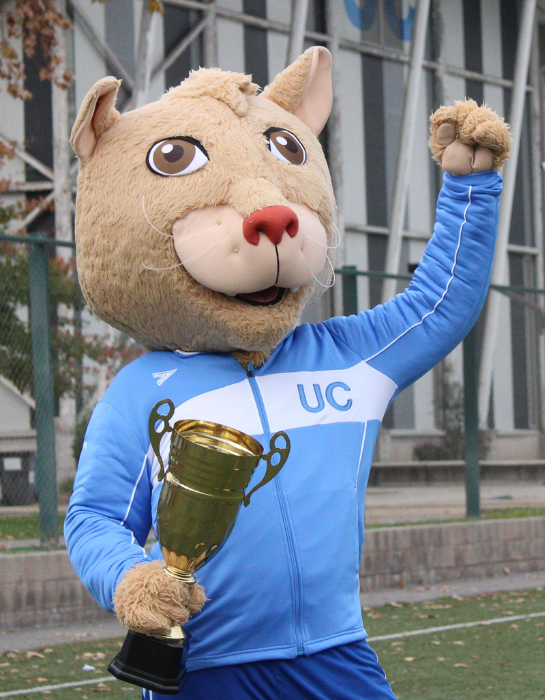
273, 222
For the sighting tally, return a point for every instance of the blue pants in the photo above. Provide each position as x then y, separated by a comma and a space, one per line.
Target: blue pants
347, 672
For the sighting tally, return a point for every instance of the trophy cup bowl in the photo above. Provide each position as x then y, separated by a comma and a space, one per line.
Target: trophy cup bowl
210, 466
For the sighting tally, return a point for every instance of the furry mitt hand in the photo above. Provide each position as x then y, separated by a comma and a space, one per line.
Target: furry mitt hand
468, 139
150, 601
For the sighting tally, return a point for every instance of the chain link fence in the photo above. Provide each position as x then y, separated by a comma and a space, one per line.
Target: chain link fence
48, 353
53, 354
17, 405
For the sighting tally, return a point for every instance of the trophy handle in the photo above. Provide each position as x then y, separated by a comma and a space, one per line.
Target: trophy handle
272, 469
156, 436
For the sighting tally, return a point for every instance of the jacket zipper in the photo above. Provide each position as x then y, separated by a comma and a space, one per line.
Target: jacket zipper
296, 576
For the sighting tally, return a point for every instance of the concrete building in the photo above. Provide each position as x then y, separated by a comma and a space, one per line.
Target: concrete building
490, 50
17, 445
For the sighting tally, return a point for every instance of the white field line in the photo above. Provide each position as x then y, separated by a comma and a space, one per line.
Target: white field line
446, 628
384, 637
41, 688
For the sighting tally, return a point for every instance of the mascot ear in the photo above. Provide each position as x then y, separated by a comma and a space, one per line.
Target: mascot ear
96, 115
305, 88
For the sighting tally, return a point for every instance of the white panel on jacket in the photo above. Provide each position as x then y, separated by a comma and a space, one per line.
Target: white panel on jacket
233, 406
301, 399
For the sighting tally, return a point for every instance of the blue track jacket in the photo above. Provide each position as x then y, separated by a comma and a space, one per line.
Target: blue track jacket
286, 582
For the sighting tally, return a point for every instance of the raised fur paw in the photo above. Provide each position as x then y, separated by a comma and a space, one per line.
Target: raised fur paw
466, 138
150, 601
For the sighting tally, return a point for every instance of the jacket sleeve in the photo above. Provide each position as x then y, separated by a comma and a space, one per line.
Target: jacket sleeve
109, 515
411, 333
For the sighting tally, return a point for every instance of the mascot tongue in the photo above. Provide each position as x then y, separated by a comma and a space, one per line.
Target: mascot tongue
265, 296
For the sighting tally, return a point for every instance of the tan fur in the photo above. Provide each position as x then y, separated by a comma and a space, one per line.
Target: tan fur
150, 601
287, 90
97, 114
255, 357
230, 88
473, 126
304, 88
166, 309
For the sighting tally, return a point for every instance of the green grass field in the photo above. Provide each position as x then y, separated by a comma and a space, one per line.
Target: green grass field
486, 514
504, 661
26, 527
63, 664
22, 527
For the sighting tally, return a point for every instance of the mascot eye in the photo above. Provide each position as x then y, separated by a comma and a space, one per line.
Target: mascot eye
177, 156
286, 146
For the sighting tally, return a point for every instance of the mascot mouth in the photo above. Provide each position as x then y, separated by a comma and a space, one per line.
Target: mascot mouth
266, 297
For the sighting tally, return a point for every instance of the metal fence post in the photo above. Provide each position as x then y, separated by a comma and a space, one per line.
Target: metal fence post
42, 357
350, 290
471, 421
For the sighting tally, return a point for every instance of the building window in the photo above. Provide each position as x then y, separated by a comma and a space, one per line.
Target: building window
177, 24
255, 43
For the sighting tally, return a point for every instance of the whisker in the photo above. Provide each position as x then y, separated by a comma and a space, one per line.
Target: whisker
206, 249
200, 233
202, 252
157, 269
325, 286
339, 237
170, 235
324, 245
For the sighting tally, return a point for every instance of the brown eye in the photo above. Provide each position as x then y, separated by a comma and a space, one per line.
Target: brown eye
286, 146
176, 156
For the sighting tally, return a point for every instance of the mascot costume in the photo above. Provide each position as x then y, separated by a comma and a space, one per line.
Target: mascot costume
204, 222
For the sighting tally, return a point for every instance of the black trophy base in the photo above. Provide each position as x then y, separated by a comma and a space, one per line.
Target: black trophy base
150, 663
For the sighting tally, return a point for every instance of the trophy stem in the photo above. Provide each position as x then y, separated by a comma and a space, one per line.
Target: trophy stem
183, 576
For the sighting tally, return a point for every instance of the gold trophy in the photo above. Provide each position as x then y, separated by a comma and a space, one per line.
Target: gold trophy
209, 467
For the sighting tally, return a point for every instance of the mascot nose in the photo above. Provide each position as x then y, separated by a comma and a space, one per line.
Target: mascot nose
273, 222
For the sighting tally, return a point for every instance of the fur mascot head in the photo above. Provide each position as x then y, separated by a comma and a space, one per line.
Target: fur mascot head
204, 219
